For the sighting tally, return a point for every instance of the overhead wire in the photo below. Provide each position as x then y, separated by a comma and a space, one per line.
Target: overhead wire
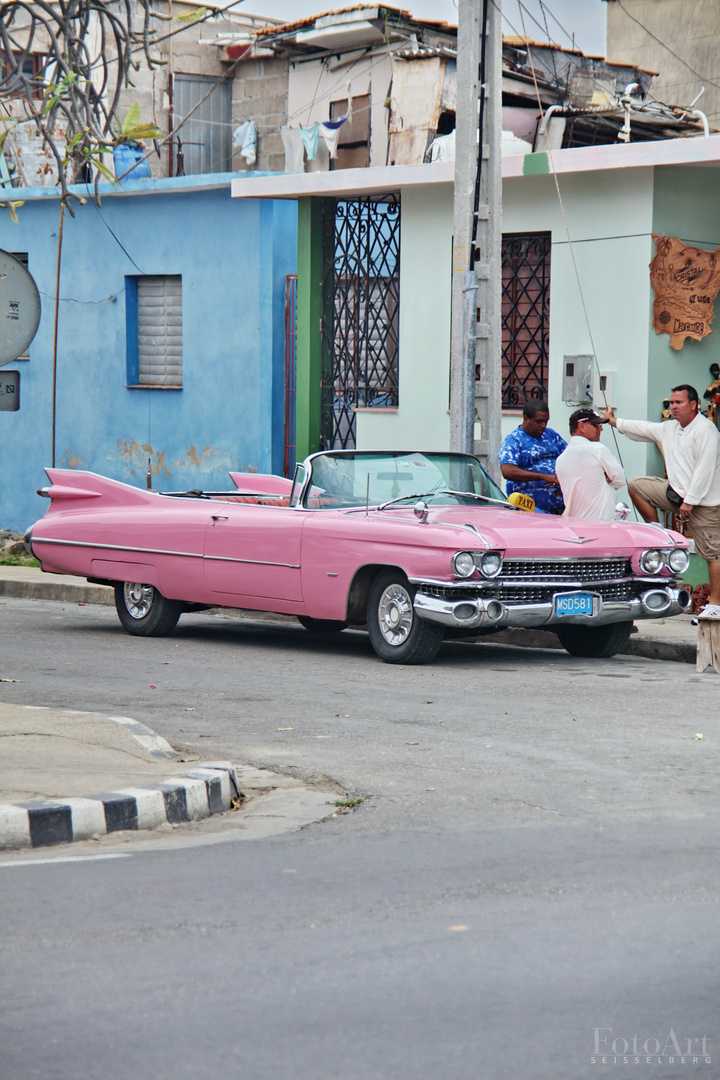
571, 249
571, 37
665, 46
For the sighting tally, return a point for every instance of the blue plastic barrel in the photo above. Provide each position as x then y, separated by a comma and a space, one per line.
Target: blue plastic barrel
126, 156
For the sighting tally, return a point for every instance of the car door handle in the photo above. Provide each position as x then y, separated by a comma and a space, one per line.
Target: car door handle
219, 517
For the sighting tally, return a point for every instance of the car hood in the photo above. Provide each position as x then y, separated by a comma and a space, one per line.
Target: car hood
534, 534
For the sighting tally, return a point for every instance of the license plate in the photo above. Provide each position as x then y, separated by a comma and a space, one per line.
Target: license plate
573, 603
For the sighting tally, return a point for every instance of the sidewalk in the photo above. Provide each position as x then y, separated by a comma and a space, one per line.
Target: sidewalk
67, 776
656, 639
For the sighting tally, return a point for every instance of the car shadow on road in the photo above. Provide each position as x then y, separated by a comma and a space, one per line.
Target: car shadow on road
285, 635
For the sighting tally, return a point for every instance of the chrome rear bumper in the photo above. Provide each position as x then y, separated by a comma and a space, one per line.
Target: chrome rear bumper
655, 603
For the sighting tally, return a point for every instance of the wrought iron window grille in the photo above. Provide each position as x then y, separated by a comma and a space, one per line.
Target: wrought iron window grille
525, 318
361, 298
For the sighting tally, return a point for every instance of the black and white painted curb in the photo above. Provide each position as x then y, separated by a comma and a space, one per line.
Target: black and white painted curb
208, 788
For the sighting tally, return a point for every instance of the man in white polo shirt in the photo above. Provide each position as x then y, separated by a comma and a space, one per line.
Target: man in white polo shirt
588, 473
691, 447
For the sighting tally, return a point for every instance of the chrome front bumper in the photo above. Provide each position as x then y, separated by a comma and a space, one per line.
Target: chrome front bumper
655, 603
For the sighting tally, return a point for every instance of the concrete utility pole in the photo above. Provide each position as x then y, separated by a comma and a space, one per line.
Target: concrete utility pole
476, 294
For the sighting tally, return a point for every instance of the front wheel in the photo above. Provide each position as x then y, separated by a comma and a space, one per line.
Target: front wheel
397, 634
144, 611
595, 641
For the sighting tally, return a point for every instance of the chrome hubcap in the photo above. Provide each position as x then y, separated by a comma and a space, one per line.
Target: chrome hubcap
138, 598
395, 614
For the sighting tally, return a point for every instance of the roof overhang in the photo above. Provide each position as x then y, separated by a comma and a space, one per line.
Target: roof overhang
343, 183
699, 150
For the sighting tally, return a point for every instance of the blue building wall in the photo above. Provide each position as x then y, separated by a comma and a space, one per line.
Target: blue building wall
233, 255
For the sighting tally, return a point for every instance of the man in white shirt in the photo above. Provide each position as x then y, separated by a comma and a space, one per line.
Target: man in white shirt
691, 446
588, 473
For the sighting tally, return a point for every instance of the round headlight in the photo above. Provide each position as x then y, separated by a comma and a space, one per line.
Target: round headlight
678, 560
651, 561
463, 564
491, 564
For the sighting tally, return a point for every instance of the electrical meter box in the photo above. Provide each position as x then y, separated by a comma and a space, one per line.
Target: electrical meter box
604, 389
577, 381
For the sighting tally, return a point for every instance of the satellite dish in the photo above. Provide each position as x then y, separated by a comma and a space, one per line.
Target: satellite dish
19, 308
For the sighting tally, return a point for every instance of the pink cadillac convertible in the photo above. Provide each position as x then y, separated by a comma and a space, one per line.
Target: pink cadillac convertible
414, 546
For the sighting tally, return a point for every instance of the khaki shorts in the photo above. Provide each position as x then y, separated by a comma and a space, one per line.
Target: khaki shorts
704, 520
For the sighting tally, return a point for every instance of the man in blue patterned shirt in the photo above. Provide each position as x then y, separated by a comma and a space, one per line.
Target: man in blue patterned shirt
527, 458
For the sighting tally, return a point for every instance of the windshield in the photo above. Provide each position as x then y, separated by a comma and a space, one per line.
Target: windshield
344, 479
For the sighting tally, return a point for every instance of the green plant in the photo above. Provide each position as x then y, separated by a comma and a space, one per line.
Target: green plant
17, 560
131, 130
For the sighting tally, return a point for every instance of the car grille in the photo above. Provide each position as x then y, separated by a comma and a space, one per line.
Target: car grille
616, 590
517, 593
572, 569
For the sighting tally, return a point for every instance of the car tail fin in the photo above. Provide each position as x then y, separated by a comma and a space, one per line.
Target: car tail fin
69, 485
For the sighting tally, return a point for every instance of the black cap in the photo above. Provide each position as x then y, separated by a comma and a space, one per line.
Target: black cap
586, 414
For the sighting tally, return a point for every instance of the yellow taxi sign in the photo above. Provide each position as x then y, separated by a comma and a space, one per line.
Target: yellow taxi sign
523, 502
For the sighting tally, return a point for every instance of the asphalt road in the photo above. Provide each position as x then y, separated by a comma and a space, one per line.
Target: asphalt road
529, 890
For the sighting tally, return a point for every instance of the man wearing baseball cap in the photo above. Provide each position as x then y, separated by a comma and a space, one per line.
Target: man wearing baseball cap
690, 445
588, 473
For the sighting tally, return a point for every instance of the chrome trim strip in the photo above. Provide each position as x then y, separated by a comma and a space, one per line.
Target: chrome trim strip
161, 551
567, 558
457, 525
115, 547
252, 562
520, 583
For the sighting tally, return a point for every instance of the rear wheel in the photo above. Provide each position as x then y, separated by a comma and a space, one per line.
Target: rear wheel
595, 641
321, 626
144, 611
397, 634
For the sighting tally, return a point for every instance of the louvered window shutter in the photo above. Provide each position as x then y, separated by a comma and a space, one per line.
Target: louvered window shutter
159, 316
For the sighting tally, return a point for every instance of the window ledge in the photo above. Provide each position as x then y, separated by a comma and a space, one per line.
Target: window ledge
376, 408
150, 386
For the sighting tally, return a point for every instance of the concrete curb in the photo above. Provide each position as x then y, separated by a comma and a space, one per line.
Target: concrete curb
683, 652
33, 584
207, 789
75, 592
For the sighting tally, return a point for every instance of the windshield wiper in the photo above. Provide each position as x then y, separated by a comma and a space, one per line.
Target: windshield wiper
402, 498
447, 491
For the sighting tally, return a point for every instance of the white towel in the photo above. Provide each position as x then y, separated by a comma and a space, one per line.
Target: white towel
294, 149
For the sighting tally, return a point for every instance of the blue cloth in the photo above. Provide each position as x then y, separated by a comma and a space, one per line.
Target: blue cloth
311, 140
534, 455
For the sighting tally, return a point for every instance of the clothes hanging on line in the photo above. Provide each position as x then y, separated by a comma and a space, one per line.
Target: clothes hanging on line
294, 149
330, 130
245, 140
311, 140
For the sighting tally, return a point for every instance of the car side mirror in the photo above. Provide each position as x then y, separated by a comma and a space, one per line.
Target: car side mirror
622, 511
420, 510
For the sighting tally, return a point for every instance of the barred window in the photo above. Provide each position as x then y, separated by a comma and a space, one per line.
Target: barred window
525, 317
155, 351
203, 143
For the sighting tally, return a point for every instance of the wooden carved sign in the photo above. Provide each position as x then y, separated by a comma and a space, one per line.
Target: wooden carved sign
686, 281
